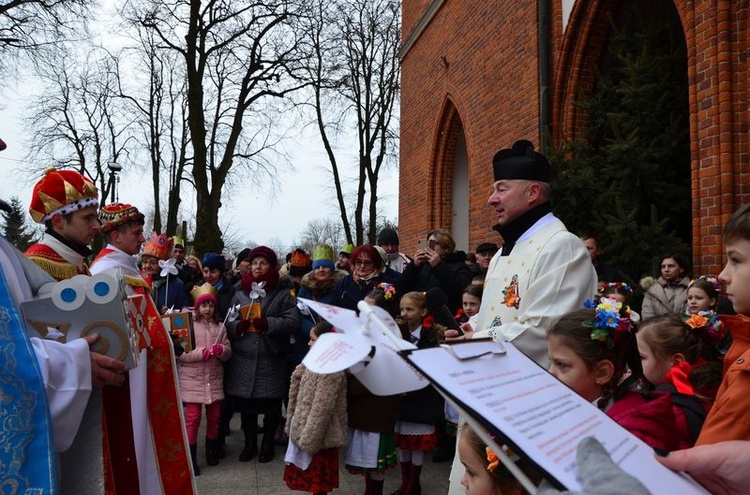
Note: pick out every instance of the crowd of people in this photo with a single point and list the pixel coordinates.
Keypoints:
(673, 375)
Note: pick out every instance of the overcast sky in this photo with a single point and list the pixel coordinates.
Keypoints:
(302, 195)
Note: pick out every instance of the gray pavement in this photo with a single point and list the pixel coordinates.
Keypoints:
(232, 476)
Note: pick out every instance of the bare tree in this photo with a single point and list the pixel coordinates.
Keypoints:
(354, 73)
(162, 120)
(319, 231)
(27, 25)
(235, 55)
(77, 119)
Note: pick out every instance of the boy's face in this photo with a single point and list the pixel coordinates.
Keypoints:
(736, 274)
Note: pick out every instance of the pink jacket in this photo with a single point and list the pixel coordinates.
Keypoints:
(202, 382)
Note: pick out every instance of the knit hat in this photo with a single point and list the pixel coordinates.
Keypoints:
(202, 293)
(347, 250)
(115, 214)
(63, 192)
(242, 256)
(388, 236)
(487, 247)
(265, 252)
(159, 247)
(521, 163)
(214, 261)
(322, 255)
(300, 263)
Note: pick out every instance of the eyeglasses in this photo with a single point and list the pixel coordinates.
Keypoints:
(363, 263)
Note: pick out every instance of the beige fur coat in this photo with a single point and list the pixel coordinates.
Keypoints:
(317, 406)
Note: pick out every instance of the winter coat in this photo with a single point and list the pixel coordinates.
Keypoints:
(258, 368)
(316, 291)
(224, 296)
(202, 382)
(728, 419)
(347, 293)
(175, 295)
(662, 298)
(317, 406)
(653, 418)
(452, 275)
(369, 412)
(426, 404)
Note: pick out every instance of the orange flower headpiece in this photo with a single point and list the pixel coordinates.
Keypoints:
(159, 246)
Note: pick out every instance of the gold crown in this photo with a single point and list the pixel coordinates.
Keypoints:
(201, 290)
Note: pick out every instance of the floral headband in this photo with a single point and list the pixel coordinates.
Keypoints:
(493, 462)
(389, 290)
(611, 321)
(708, 326)
(620, 285)
(706, 278)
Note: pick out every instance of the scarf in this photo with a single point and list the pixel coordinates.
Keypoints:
(514, 229)
(271, 278)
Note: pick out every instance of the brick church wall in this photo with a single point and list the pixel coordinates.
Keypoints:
(466, 65)
(474, 67)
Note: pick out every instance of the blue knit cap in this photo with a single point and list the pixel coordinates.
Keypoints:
(214, 261)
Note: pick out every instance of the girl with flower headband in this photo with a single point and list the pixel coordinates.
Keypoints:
(621, 292)
(703, 295)
(421, 410)
(484, 474)
(681, 357)
(594, 352)
(370, 448)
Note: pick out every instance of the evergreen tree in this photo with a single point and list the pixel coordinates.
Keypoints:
(630, 180)
(15, 229)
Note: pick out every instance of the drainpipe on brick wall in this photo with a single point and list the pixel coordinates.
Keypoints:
(545, 116)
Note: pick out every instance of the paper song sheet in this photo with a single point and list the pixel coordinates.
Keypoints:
(540, 417)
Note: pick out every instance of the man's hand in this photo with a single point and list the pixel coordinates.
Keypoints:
(105, 370)
(453, 335)
(721, 467)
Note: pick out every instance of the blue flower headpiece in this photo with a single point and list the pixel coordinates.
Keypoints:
(611, 321)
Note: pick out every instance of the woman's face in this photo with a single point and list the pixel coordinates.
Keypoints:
(259, 266)
(670, 270)
(363, 265)
(433, 244)
(322, 273)
(211, 275)
(149, 264)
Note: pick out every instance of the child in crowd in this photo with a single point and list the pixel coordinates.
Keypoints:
(682, 358)
(316, 426)
(591, 351)
(421, 409)
(620, 292)
(727, 419)
(703, 295)
(370, 448)
(201, 374)
(471, 302)
(484, 474)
